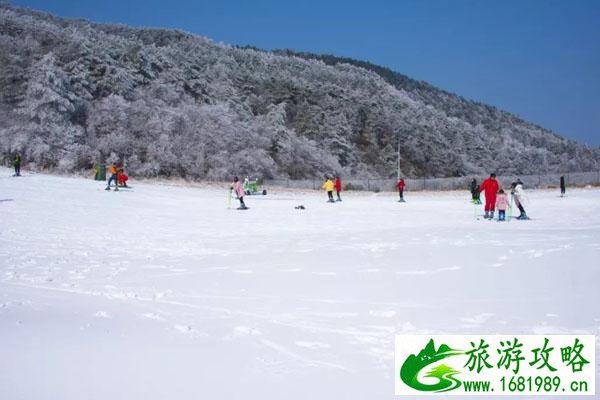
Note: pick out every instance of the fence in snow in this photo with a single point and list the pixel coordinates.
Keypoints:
(377, 185)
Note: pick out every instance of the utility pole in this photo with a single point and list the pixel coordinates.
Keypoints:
(398, 135)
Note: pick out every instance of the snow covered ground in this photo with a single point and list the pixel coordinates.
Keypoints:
(161, 292)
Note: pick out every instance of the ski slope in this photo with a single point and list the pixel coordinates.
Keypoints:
(161, 292)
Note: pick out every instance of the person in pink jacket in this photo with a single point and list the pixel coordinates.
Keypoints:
(502, 205)
(238, 189)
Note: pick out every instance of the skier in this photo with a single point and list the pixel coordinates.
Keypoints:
(99, 172)
(328, 186)
(338, 187)
(114, 172)
(490, 186)
(246, 186)
(238, 188)
(520, 198)
(122, 178)
(475, 192)
(17, 164)
(563, 187)
(502, 205)
(401, 185)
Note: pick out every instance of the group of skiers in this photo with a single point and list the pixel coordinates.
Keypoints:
(117, 175)
(330, 185)
(497, 199)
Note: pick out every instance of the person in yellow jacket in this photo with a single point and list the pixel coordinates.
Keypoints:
(328, 186)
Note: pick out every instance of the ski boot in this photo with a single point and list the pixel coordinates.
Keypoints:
(523, 216)
(487, 215)
(491, 215)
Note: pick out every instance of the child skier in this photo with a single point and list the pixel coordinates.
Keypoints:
(520, 198)
(338, 187)
(328, 186)
(401, 185)
(475, 192)
(17, 164)
(238, 188)
(122, 178)
(490, 187)
(563, 186)
(502, 205)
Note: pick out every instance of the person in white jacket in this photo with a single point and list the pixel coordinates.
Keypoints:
(520, 198)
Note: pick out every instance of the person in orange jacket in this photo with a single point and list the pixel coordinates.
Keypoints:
(490, 188)
(113, 170)
(338, 187)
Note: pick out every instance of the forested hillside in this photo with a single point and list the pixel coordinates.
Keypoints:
(165, 102)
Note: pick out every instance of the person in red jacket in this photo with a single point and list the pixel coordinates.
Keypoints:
(122, 178)
(400, 185)
(338, 187)
(489, 187)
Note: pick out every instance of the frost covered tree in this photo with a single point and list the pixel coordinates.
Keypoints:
(165, 102)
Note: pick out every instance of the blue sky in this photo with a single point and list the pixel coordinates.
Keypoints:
(539, 59)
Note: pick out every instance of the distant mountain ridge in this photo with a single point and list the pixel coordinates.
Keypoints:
(166, 102)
